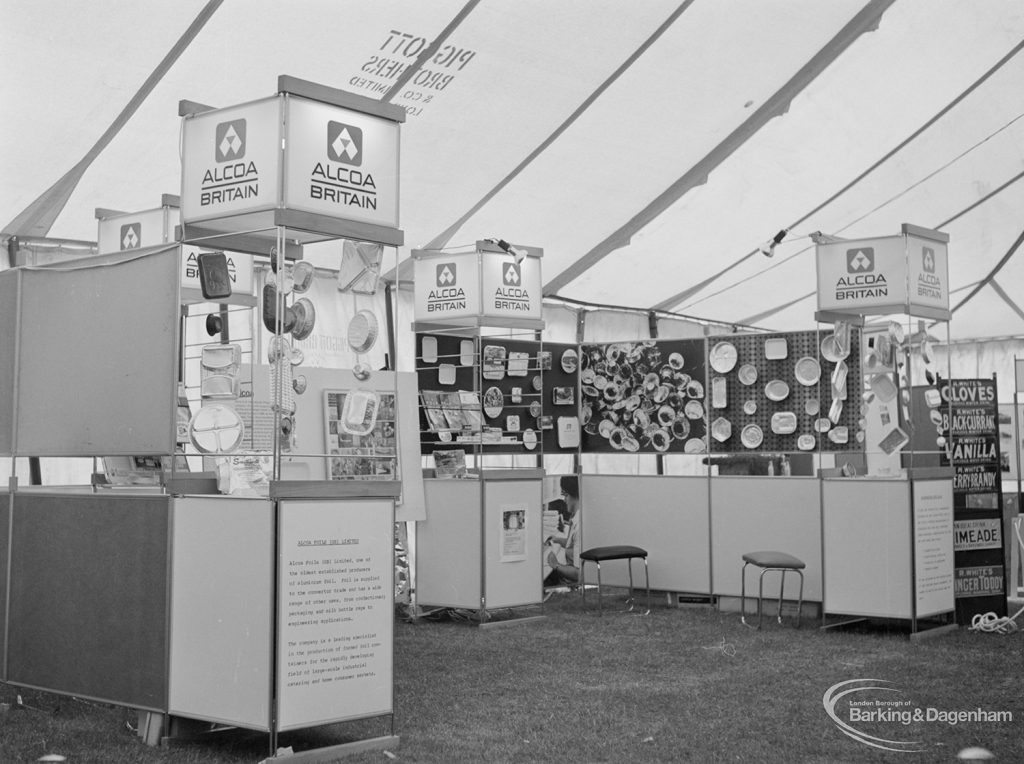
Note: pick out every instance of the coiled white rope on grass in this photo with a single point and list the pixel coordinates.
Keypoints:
(994, 624)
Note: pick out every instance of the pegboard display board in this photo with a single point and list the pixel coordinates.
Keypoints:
(754, 383)
(492, 394)
(560, 370)
(644, 397)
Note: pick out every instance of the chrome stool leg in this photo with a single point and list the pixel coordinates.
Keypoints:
(800, 601)
(782, 588)
(632, 599)
(743, 595)
(647, 581)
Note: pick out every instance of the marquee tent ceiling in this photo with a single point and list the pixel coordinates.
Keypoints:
(648, 147)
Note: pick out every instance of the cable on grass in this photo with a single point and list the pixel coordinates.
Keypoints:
(727, 648)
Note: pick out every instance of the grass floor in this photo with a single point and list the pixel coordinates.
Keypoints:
(679, 684)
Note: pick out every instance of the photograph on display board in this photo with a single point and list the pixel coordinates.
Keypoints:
(513, 533)
(361, 439)
(562, 518)
(646, 396)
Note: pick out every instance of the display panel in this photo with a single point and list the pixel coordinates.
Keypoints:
(647, 396)
(798, 391)
(361, 435)
(503, 395)
(97, 369)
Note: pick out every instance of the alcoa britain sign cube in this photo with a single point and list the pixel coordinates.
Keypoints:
(908, 273)
(311, 158)
(124, 231)
(489, 286)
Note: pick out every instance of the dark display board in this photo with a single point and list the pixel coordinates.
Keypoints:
(497, 394)
(644, 397)
(971, 426)
(776, 392)
(88, 595)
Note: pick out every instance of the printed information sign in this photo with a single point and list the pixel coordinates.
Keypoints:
(335, 611)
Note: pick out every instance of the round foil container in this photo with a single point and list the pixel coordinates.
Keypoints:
(362, 331)
(302, 276)
(305, 318)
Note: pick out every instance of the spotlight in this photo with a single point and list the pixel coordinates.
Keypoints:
(519, 254)
(768, 248)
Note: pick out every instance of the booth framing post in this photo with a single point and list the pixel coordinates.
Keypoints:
(1018, 374)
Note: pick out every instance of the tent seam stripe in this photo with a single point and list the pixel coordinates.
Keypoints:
(443, 238)
(49, 202)
(865, 20)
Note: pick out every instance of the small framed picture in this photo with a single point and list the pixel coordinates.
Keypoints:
(546, 422)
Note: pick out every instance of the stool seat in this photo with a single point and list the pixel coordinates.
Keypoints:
(770, 560)
(599, 554)
(774, 560)
(617, 552)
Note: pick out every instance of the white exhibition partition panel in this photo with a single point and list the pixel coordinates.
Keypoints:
(9, 290)
(868, 542)
(449, 562)
(221, 610)
(667, 516)
(934, 564)
(335, 611)
(513, 570)
(751, 514)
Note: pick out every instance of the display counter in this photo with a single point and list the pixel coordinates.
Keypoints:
(873, 547)
(202, 607)
(888, 545)
(468, 555)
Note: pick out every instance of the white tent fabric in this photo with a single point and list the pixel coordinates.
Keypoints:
(649, 148)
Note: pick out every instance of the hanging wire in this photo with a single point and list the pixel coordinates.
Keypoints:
(686, 294)
(890, 200)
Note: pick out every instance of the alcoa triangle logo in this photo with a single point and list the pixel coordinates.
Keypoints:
(446, 274)
(131, 236)
(230, 140)
(344, 143)
(513, 275)
(928, 260)
(860, 260)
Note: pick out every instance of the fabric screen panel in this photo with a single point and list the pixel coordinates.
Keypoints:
(9, 289)
(97, 374)
(88, 572)
(614, 326)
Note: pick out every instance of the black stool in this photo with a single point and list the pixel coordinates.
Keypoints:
(620, 552)
(767, 561)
